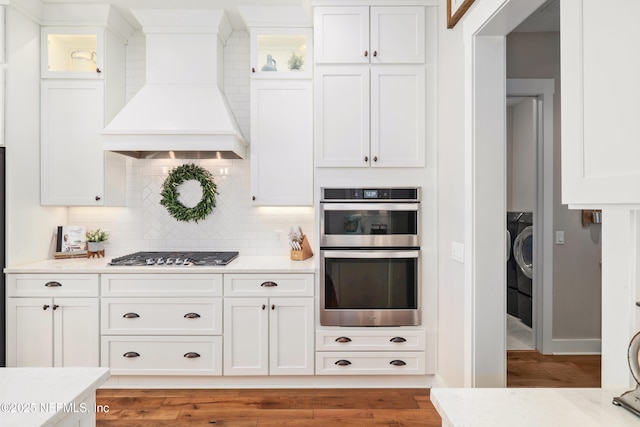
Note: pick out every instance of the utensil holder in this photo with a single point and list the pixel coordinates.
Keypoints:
(303, 254)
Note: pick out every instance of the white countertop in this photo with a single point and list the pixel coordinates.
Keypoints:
(44, 396)
(530, 407)
(242, 264)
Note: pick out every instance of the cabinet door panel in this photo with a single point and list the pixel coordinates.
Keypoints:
(282, 143)
(246, 337)
(398, 116)
(71, 148)
(342, 116)
(341, 35)
(291, 336)
(76, 332)
(29, 332)
(398, 35)
(600, 110)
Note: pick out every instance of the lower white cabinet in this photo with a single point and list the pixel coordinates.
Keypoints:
(45, 332)
(361, 351)
(268, 336)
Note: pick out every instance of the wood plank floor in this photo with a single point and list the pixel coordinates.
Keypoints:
(323, 407)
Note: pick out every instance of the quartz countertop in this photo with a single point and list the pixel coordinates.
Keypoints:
(242, 264)
(44, 396)
(530, 407)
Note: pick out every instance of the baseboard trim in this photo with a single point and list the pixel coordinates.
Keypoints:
(576, 346)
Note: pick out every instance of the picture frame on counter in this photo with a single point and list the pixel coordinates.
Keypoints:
(455, 10)
(71, 242)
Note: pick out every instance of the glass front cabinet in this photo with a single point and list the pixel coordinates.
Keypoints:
(72, 52)
(281, 53)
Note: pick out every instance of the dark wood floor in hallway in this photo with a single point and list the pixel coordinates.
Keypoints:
(323, 407)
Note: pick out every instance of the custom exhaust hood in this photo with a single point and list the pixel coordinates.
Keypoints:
(180, 112)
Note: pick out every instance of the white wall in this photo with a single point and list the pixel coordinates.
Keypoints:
(234, 224)
(521, 156)
(30, 227)
(576, 264)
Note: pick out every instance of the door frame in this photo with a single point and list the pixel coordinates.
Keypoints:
(484, 37)
(543, 90)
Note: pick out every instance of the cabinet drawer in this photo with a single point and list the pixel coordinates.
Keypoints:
(371, 340)
(263, 285)
(52, 285)
(143, 355)
(162, 316)
(370, 363)
(162, 285)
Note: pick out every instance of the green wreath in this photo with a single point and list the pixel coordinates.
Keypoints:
(170, 193)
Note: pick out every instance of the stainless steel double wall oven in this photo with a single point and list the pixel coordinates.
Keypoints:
(370, 257)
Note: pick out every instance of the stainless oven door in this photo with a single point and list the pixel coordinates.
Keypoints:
(369, 224)
(370, 287)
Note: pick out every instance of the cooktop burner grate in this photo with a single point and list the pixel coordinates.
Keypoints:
(170, 259)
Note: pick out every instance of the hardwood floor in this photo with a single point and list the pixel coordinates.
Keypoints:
(273, 407)
(323, 407)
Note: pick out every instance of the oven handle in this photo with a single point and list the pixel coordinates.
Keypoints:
(370, 206)
(370, 254)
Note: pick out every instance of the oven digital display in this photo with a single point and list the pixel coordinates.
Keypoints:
(370, 194)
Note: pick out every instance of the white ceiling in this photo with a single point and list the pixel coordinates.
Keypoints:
(231, 6)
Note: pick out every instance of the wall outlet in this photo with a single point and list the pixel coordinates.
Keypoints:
(559, 237)
(457, 251)
(279, 234)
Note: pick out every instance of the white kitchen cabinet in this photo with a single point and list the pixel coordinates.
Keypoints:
(370, 116)
(48, 332)
(282, 142)
(52, 320)
(268, 336)
(82, 88)
(363, 35)
(600, 106)
(278, 53)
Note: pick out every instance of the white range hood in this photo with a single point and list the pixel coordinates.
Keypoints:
(180, 112)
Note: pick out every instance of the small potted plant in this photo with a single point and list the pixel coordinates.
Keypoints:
(295, 62)
(96, 239)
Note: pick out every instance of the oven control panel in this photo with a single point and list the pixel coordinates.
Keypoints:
(365, 194)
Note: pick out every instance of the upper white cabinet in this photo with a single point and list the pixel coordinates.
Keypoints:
(281, 53)
(600, 108)
(72, 52)
(82, 88)
(376, 35)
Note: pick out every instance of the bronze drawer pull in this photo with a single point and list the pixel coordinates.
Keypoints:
(191, 316)
(398, 363)
(269, 284)
(191, 355)
(53, 284)
(130, 315)
(131, 354)
(343, 339)
(397, 339)
(343, 362)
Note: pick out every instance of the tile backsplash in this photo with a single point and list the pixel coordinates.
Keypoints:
(234, 224)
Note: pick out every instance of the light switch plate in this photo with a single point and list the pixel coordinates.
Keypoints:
(457, 251)
(559, 237)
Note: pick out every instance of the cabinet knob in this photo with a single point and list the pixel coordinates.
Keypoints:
(253, 198)
(264, 306)
(398, 363)
(55, 306)
(191, 355)
(253, 69)
(397, 339)
(343, 362)
(366, 158)
(366, 53)
(98, 198)
(375, 158)
(343, 339)
(191, 316)
(53, 284)
(273, 306)
(268, 284)
(131, 354)
(98, 70)
(44, 307)
(131, 315)
(375, 53)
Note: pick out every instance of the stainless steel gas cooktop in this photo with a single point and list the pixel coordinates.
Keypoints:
(170, 259)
